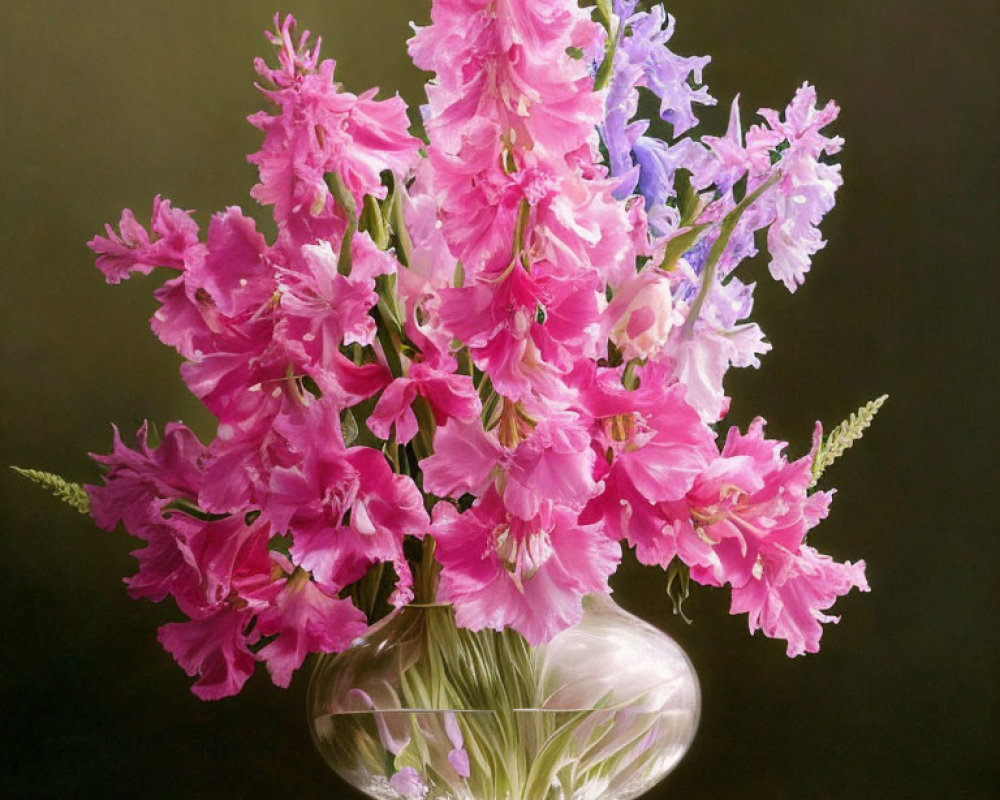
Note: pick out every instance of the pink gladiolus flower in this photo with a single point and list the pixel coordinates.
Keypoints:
(507, 62)
(753, 506)
(322, 309)
(653, 446)
(236, 272)
(524, 330)
(450, 396)
(215, 649)
(500, 571)
(149, 476)
(318, 130)
(174, 243)
(792, 591)
(554, 463)
(344, 507)
(306, 619)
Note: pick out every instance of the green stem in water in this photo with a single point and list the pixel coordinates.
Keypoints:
(425, 574)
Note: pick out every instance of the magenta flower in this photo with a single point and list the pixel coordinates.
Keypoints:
(500, 571)
(450, 396)
(214, 648)
(320, 129)
(174, 243)
(344, 507)
(306, 619)
(149, 476)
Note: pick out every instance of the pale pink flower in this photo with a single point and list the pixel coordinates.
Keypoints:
(702, 358)
(457, 757)
(408, 784)
(807, 187)
(641, 315)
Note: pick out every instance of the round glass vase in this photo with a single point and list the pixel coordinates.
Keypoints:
(422, 709)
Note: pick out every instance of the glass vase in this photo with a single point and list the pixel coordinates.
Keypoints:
(423, 709)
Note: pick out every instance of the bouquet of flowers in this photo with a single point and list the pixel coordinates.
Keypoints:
(485, 351)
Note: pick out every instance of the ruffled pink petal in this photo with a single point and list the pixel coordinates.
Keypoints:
(306, 620)
(215, 649)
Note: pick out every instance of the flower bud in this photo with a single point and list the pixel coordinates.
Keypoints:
(641, 315)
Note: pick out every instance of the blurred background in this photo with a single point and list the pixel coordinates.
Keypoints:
(105, 104)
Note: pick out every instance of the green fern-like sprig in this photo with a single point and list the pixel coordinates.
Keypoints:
(844, 435)
(70, 493)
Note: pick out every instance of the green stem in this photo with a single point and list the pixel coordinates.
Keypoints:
(523, 214)
(423, 442)
(606, 18)
(397, 223)
(719, 247)
(373, 223)
(344, 198)
(425, 574)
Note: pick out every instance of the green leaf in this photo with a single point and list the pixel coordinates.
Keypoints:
(679, 586)
(688, 200)
(349, 427)
(342, 195)
(373, 222)
(604, 12)
(679, 245)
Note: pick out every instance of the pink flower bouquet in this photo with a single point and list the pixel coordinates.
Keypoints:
(484, 352)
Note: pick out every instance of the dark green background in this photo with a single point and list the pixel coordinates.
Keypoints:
(104, 104)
